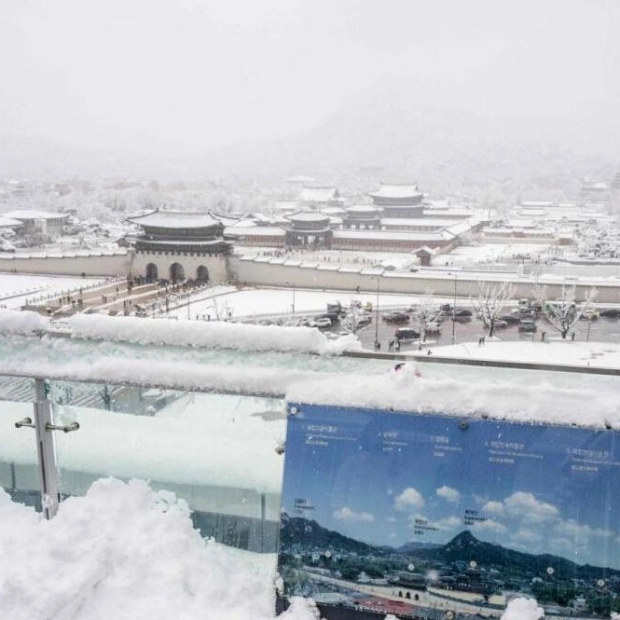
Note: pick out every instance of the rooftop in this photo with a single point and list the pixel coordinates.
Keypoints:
(307, 216)
(175, 219)
(396, 190)
(34, 214)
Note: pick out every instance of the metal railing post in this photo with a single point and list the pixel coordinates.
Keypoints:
(48, 474)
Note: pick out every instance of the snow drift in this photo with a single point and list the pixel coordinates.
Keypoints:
(126, 552)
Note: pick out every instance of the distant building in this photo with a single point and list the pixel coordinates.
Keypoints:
(317, 196)
(309, 229)
(399, 200)
(179, 245)
(362, 217)
(39, 223)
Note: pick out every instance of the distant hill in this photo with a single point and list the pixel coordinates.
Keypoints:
(304, 531)
(464, 547)
(381, 134)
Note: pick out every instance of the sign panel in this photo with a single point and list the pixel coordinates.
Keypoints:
(428, 516)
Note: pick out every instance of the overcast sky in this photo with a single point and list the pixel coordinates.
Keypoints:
(186, 75)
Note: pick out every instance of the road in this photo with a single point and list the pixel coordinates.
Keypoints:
(601, 330)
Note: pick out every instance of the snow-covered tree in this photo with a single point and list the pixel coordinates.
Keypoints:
(426, 314)
(564, 312)
(491, 301)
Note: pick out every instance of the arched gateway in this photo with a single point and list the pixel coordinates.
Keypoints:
(202, 274)
(152, 273)
(177, 273)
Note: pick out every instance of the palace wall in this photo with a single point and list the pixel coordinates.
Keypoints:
(264, 272)
(91, 263)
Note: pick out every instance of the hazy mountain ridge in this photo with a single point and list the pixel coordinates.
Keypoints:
(463, 547)
(446, 150)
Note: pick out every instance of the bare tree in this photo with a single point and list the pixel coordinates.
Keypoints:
(426, 314)
(564, 312)
(491, 301)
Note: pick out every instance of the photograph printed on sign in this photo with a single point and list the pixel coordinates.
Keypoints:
(421, 515)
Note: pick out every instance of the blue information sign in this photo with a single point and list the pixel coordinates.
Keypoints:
(425, 515)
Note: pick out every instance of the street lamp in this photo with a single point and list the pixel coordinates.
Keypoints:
(377, 343)
(454, 312)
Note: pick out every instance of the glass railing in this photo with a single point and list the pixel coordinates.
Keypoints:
(219, 453)
(19, 474)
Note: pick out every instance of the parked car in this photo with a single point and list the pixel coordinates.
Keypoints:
(406, 334)
(611, 313)
(590, 315)
(527, 325)
(323, 322)
(510, 319)
(396, 317)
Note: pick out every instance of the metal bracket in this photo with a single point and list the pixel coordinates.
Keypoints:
(67, 428)
(24, 422)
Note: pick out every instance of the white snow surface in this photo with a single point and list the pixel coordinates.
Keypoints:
(212, 334)
(12, 322)
(507, 394)
(523, 608)
(126, 552)
(16, 288)
(554, 351)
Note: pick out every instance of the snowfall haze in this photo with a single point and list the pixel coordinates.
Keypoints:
(202, 86)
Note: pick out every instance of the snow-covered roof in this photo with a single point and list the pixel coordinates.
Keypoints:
(307, 216)
(414, 222)
(254, 231)
(364, 208)
(396, 190)
(227, 220)
(318, 194)
(383, 235)
(7, 222)
(175, 219)
(333, 211)
(34, 214)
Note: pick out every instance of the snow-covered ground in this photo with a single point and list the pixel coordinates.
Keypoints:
(228, 302)
(492, 253)
(553, 352)
(15, 289)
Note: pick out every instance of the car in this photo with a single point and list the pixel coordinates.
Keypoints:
(406, 334)
(323, 322)
(527, 325)
(510, 319)
(396, 317)
(611, 313)
(590, 315)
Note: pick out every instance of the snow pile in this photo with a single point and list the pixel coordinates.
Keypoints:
(523, 609)
(212, 334)
(528, 397)
(16, 322)
(126, 552)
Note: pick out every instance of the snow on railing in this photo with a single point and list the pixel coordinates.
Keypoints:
(14, 322)
(213, 334)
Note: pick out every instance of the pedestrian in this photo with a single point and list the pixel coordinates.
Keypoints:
(572, 336)
(542, 336)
